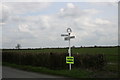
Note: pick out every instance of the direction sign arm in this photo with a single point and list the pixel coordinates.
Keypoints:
(64, 34)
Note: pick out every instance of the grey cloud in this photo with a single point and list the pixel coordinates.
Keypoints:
(45, 30)
(5, 13)
(13, 10)
(26, 7)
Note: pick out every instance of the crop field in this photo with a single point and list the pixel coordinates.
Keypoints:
(110, 51)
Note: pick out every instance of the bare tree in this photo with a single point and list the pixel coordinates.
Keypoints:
(18, 46)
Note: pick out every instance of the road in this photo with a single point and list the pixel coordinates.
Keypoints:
(8, 72)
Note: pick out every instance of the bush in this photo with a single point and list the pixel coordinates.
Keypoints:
(94, 61)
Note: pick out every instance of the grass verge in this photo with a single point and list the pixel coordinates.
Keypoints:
(74, 73)
(110, 71)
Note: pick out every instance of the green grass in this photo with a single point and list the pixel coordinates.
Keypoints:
(110, 71)
(110, 51)
(74, 73)
(112, 58)
(112, 67)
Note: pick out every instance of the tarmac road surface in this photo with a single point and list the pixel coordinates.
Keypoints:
(8, 72)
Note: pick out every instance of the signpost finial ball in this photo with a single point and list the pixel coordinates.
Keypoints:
(69, 30)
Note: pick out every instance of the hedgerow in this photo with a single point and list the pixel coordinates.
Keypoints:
(55, 60)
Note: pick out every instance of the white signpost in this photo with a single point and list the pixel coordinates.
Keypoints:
(68, 37)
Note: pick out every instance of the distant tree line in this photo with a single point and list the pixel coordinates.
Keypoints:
(18, 47)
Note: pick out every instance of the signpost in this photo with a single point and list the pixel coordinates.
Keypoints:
(69, 59)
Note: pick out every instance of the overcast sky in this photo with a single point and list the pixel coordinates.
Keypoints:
(41, 24)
